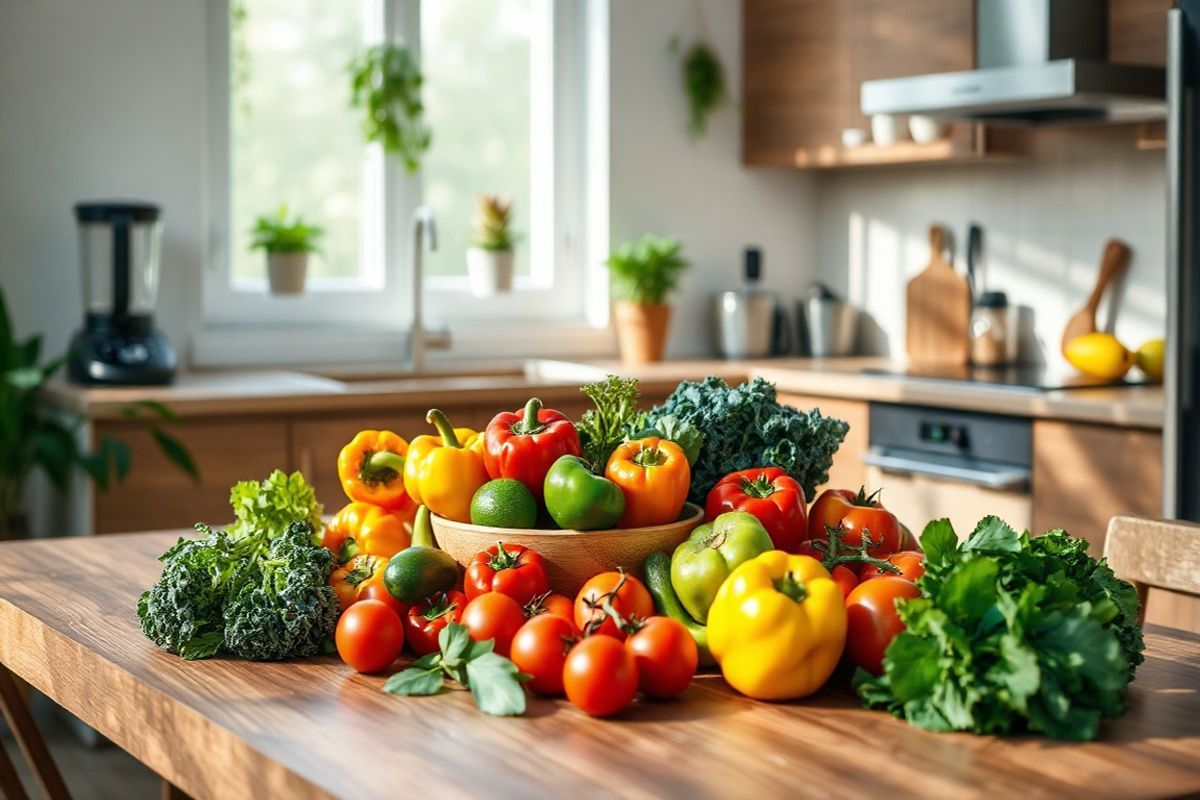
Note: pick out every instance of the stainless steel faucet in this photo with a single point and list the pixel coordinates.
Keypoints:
(423, 225)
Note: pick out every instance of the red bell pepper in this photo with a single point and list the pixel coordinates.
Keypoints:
(524, 444)
(426, 619)
(768, 493)
(514, 570)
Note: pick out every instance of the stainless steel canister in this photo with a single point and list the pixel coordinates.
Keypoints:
(832, 326)
(744, 322)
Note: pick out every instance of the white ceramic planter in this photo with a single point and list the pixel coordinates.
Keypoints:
(489, 272)
(286, 272)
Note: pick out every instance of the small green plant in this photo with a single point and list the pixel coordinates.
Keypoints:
(385, 82)
(647, 270)
(492, 217)
(276, 234)
(704, 81)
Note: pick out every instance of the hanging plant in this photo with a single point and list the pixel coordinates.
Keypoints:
(386, 84)
(704, 81)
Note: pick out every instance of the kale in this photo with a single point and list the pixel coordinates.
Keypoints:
(746, 427)
(1011, 633)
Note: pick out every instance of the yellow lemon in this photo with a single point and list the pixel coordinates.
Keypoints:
(1099, 355)
(1150, 358)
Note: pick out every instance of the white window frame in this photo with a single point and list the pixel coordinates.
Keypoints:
(566, 269)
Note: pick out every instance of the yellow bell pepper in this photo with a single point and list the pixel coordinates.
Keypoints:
(443, 471)
(777, 626)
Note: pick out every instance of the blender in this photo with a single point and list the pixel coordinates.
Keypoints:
(120, 244)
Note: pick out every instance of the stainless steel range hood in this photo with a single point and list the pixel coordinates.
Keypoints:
(1040, 61)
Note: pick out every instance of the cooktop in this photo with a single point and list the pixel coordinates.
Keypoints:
(1022, 377)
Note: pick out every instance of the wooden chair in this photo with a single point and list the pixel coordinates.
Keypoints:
(1159, 553)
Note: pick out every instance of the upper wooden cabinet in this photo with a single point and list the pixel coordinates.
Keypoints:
(1137, 31)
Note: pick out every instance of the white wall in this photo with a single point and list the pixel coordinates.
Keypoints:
(1045, 222)
(663, 182)
(98, 100)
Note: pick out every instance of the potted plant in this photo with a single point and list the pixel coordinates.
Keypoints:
(32, 437)
(490, 256)
(385, 83)
(288, 244)
(643, 273)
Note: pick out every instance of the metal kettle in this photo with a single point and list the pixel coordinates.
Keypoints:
(748, 322)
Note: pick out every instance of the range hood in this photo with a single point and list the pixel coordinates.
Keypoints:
(1039, 61)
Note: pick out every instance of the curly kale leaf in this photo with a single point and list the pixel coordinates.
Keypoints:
(746, 427)
(181, 612)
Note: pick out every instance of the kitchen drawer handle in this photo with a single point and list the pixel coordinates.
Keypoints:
(1004, 479)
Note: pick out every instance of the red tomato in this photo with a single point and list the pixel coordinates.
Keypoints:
(540, 650)
(854, 514)
(910, 563)
(375, 590)
(907, 540)
(369, 636)
(771, 495)
(666, 657)
(872, 621)
(494, 616)
(627, 595)
(600, 676)
(512, 569)
(844, 577)
(550, 603)
(426, 619)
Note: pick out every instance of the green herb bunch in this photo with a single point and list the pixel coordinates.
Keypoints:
(492, 218)
(278, 234)
(704, 82)
(647, 270)
(385, 82)
(1012, 633)
(604, 427)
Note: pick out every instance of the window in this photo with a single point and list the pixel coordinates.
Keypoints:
(503, 81)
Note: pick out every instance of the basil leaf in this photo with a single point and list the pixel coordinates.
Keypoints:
(428, 661)
(476, 649)
(454, 641)
(993, 535)
(415, 682)
(494, 683)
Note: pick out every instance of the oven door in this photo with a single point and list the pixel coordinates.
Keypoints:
(919, 487)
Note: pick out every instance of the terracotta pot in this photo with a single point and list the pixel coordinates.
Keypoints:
(286, 272)
(641, 330)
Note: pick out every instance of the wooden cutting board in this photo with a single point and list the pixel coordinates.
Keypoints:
(939, 309)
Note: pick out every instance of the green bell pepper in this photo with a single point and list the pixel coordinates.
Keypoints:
(579, 500)
(704, 560)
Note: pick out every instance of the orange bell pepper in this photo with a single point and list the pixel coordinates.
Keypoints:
(443, 471)
(352, 577)
(654, 475)
(364, 529)
(371, 469)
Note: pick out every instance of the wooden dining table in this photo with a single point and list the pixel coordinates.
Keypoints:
(226, 728)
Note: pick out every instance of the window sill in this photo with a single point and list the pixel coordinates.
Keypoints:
(258, 346)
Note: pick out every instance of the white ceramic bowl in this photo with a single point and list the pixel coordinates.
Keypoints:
(854, 137)
(927, 129)
(888, 129)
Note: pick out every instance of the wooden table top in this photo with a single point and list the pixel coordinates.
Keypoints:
(224, 728)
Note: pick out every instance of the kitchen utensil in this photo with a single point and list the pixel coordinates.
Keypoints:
(572, 557)
(925, 129)
(974, 251)
(887, 129)
(1113, 264)
(119, 256)
(746, 320)
(993, 331)
(832, 326)
(939, 309)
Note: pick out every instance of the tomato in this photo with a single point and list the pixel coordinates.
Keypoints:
(600, 676)
(872, 621)
(426, 619)
(540, 650)
(369, 636)
(666, 657)
(854, 514)
(375, 590)
(627, 595)
(350, 578)
(495, 616)
(550, 603)
(907, 540)
(910, 563)
(845, 578)
(513, 569)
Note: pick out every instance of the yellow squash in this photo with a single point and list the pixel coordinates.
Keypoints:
(777, 626)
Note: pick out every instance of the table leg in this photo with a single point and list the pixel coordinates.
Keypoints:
(10, 782)
(30, 739)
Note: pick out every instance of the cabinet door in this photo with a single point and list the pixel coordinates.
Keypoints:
(848, 470)
(157, 495)
(1137, 31)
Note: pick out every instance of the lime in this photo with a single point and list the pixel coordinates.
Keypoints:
(504, 503)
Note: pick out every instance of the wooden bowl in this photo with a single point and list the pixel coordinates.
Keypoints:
(572, 557)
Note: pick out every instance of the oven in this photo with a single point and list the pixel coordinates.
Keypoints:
(936, 462)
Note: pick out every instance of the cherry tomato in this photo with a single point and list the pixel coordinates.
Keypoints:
(426, 619)
(375, 590)
(540, 650)
(910, 563)
(600, 676)
(496, 616)
(511, 569)
(369, 636)
(666, 657)
(550, 603)
(855, 513)
(844, 577)
(629, 598)
(872, 621)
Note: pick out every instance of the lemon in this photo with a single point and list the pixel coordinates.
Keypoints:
(1150, 358)
(1099, 355)
(504, 503)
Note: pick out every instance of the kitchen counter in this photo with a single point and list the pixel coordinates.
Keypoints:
(280, 391)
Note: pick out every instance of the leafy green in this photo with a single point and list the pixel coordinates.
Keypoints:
(704, 80)
(646, 270)
(278, 234)
(689, 438)
(746, 427)
(494, 681)
(274, 504)
(1012, 633)
(603, 428)
(385, 83)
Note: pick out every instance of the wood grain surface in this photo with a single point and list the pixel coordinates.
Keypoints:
(939, 309)
(224, 728)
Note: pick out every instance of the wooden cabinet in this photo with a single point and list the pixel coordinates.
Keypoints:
(848, 470)
(1137, 31)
